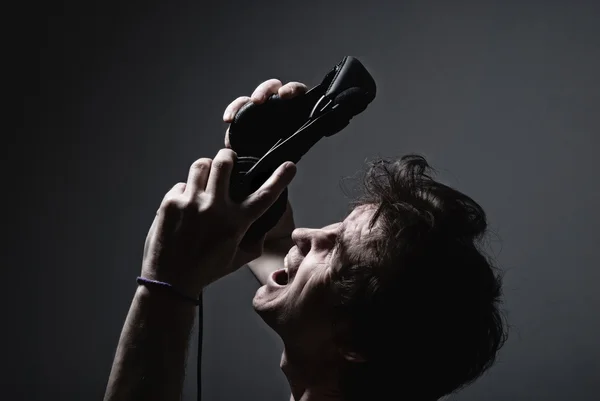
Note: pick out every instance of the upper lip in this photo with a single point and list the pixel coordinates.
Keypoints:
(291, 270)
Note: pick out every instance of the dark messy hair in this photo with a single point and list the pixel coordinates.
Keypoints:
(422, 302)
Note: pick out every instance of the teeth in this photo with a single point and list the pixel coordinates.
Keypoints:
(287, 276)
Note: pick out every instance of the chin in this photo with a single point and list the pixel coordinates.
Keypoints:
(269, 307)
(263, 302)
(258, 301)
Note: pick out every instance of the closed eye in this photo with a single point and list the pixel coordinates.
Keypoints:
(337, 247)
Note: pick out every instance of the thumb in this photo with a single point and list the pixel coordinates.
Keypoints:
(263, 198)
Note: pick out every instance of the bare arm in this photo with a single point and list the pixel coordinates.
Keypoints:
(150, 360)
(271, 259)
(278, 242)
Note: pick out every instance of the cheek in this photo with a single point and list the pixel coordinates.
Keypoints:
(315, 295)
(311, 283)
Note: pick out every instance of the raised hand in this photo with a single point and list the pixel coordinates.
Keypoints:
(278, 238)
(197, 229)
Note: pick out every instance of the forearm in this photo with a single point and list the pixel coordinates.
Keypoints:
(271, 259)
(150, 359)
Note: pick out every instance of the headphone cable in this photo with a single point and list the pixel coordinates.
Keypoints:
(199, 362)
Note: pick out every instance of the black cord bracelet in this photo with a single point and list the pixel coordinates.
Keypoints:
(145, 281)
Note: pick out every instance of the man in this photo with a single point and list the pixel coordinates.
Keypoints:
(395, 302)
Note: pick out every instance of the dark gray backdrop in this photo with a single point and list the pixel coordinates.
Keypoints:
(501, 96)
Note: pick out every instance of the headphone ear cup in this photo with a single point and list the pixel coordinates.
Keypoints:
(349, 103)
(257, 127)
(354, 100)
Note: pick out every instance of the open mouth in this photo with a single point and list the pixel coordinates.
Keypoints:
(280, 277)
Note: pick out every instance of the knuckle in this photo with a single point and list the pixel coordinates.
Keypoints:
(272, 81)
(201, 164)
(229, 153)
(189, 204)
(225, 159)
(171, 204)
(176, 189)
(220, 164)
(292, 89)
(300, 87)
(270, 86)
(264, 194)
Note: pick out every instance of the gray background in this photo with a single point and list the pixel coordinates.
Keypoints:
(118, 101)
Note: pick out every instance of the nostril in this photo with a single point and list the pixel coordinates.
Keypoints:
(303, 247)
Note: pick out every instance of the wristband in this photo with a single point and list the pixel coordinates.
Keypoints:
(145, 281)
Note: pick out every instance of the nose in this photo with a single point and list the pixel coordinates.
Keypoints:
(318, 238)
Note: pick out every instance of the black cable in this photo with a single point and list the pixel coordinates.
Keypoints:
(199, 362)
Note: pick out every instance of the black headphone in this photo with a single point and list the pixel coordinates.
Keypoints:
(266, 135)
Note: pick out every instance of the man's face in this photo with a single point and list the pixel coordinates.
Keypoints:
(299, 305)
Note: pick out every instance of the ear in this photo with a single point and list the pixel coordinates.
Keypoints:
(352, 356)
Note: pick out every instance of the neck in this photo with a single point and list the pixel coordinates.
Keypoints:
(311, 376)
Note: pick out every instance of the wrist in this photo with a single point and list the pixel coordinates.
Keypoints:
(185, 286)
(163, 298)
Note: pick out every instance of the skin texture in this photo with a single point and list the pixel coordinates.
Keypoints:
(192, 242)
(278, 240)
(300, 312)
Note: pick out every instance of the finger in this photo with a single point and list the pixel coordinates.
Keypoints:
(234, 107)
(167, 213)
(266, 89)
(176, 190)
(173, 193)
(198, 176)
(292, 89)
(227, 143)
(264, 197)
(220, 174)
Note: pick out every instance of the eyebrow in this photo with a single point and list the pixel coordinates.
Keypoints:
(340, 246)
